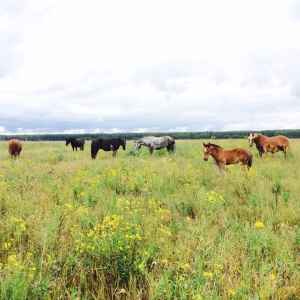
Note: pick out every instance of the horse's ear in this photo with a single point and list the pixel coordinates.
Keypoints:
(204, 144)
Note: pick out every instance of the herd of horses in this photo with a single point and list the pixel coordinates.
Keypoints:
(221, 156)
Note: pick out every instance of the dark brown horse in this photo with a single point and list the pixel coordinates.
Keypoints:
(14, 148)
(75, 143)
(112, 144)
(273, 144)
(227, 157)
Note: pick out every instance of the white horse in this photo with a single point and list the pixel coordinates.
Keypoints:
(156, 143)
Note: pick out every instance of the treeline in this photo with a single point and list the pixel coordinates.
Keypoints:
(205, 135)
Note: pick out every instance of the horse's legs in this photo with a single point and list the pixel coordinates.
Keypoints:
(113, 150)
(266, 150)
(222, 170)
(288, 151)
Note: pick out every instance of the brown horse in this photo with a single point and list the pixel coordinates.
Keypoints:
(75, 143)
(266, 144)
(14, 148)
(227, 157)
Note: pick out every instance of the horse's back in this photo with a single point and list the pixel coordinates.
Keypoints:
(163, 141)
(278, 140)
(234, 155)
(243, 151)
(283, 140)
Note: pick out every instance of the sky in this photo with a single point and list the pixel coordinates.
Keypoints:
(106, 66)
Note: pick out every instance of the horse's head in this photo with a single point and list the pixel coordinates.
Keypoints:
(68, 141)
(124, 145)
(137, 145)
(206, 151)
(251, 138)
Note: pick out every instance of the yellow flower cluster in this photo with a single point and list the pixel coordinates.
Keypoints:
(20, 222)
(208, 274)
(121, 230)
(213, 197)
(185, 266)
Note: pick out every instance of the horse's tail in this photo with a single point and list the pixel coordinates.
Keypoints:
(92, 150)
(249, 163)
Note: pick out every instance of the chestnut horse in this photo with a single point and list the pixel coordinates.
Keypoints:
(14, 148)
(227, 157)
(266, 144)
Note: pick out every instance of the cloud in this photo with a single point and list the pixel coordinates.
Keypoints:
(294, 11)
(138, 66)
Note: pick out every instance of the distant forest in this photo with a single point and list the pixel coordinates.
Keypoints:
(205, 135)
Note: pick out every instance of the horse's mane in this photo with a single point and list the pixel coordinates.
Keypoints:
(215, 146)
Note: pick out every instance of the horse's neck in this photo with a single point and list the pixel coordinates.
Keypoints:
(143, 143)
(215, 151)
(261, 138)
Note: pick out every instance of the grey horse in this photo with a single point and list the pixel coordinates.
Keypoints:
(156, 143)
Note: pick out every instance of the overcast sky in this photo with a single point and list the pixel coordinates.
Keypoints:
(88, 66)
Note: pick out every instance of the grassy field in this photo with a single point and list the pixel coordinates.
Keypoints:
(148, 227)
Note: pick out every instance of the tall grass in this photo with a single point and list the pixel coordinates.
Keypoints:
(147, 227)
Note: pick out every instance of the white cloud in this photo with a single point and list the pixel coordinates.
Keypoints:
(119, 66)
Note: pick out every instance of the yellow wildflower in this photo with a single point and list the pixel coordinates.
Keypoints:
(208, 274)
(272, 277)
(259, 224)
(185, 266)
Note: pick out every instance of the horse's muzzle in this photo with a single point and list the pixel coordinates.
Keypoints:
(206, 159)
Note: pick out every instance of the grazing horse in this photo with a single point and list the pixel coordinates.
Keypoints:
(156, 143)
(227, 157)
(75, 143)
(273, 144)
(14, 148)
(112, 144)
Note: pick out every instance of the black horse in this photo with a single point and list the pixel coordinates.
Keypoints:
(112, 144)
(75, 143)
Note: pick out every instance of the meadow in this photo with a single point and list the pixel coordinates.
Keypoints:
(142, 227)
